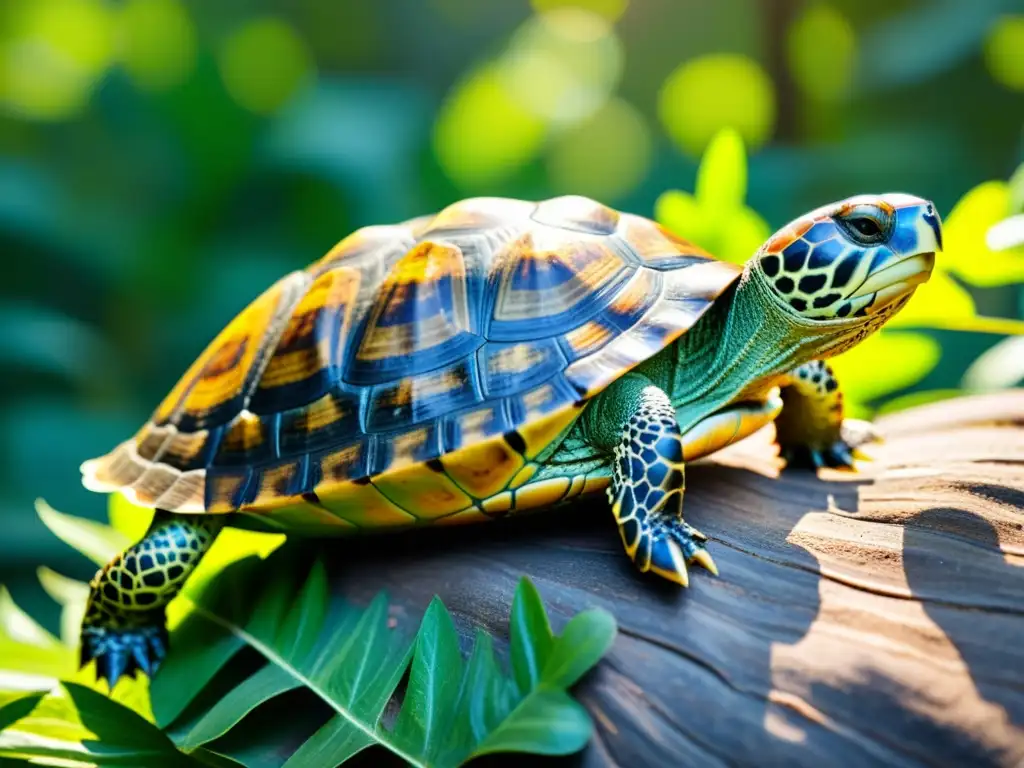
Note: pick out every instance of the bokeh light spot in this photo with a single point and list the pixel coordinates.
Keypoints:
(604, 157)
(263, 64)
(482, 134)
(707, 94)
(563, 65)
(158, 43)
(822, 53)
(1004, 52)
(609, 9)
(53, 54)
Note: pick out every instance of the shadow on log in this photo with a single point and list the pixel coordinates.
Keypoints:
(864, 619)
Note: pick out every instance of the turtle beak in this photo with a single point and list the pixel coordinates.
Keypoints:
(916, 238)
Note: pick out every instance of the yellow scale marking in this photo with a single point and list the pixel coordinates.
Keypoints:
(483, 470)
(542, 493)
(364, 506)
(426, 493)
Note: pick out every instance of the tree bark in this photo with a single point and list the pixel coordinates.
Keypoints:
(860, 619)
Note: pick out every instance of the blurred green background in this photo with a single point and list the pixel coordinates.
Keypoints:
(165, 160)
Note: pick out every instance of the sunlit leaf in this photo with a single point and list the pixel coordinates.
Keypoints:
(353, 662)
(722, 177)
(98, 542)
(28, 649)
(71, 594)
(966, 253)
(131, 520)
(75, 723)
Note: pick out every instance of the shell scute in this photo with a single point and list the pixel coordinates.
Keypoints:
(420, 319)
(417, 370)
(306, 358)
(579, 214)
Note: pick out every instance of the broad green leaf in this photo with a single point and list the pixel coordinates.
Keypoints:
(269, 682)
(14, 711)
(548, 722)
(744, 235)
(76, 723)
(429, 712)
(71, 594)
(98, 542)
(586, 638)
(352, 661)
(531, 639)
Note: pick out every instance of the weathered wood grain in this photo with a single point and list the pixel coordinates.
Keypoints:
(869, 619)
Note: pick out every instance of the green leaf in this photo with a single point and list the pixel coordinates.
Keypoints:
(531, 640)
(131, 520)
(19, 708)
(966, 253)
(586, 638)
(722, 178)
(26, 649)
(98, 542)
(548, 722)
(75, 723)
(71, 594)
(353, 662)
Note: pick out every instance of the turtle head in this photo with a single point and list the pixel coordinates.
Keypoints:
(859, 258)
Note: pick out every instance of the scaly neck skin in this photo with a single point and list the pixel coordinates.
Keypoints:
(739, 349)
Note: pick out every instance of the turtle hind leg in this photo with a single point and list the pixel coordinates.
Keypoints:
(646, 492)
(124, 628)
(810, 429)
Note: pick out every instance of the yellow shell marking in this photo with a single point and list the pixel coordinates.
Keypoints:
(542, 493)
(425, 492)
(364, 506)
(523, 476)
(497, 504)
(538, 433)
(485, 469)
(414, 277)
(331, 291)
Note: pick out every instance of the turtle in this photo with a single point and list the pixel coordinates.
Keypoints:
(499, 357)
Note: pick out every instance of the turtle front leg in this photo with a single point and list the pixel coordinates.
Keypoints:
(810, 429)
(124, 627)
(648, 480)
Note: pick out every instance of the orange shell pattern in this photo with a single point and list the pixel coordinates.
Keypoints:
(416, 371)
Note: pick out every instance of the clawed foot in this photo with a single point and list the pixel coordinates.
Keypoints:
(120, 652)
(839, 455)
(666, 547)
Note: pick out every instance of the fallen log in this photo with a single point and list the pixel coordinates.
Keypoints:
(860, 619)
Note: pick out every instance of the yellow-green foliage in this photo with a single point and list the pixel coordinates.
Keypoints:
(717, 218)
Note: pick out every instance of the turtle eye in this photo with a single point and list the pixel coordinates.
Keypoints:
(863, 227)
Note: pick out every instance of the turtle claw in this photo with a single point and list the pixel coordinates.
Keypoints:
(124, 652)
(703, 558)
(839, 455)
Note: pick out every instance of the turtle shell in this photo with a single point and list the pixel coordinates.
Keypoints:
(461, 344)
